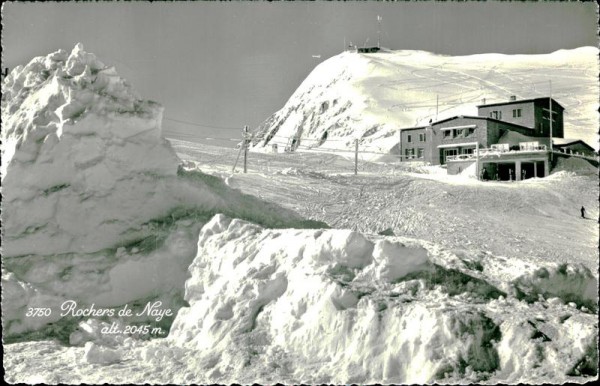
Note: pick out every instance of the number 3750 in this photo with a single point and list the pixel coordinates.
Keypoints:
(38, 312)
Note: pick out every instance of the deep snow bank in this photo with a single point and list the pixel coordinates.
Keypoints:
(575, 165)
(95, 206)
(83, 156)
(335, 306)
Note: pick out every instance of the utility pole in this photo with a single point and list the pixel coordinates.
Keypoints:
(551, 119)
(400, 145)
(246, 141)
(356, 156)
(477, 159)
(378, 31)
(244, 148)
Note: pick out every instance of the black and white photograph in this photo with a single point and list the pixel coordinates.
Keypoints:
(300, 192)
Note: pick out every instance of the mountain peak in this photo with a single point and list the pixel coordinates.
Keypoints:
(371, 96)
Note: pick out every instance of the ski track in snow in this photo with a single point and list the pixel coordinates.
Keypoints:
(536, 220)
(505, 227)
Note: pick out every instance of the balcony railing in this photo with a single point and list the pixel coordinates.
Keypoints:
(497, 151)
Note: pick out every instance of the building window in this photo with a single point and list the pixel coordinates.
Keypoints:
(450, 153)
(420, 152)
(409, 138)
(469, 150)
(496, 114)
(517, 113)
(459, 132)
(447, 133)
(409, 153)
(422, 137)
(470, 131)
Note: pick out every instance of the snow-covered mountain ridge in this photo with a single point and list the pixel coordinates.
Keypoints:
(371, 96)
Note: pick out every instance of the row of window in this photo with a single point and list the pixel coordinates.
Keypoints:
(497, 114)
(454, 152)
(458, 133)
(422, 138)
(410, 153)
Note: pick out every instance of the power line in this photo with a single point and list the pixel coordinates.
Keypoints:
(201, 125)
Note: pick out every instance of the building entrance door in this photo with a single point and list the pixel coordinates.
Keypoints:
(527, 170)
(506, 171)
(540, 168)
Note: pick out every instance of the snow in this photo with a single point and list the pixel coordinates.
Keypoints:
(95, 354)
(575, 165)
(483, 282)
(371, 96)
(96, 206)
(336, 306)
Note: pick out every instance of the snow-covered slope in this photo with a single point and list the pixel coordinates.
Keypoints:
(336, 306)
(371, 96)
(496, 284)
(95, 205)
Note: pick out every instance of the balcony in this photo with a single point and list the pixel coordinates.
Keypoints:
(499, 150)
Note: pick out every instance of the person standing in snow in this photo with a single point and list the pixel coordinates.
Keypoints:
(484, 174)
(582, 212)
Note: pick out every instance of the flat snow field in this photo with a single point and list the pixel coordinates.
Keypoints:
(536, 220)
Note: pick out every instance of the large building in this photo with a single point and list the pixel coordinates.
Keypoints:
(531, 113)
(509, 140)
(454, 136)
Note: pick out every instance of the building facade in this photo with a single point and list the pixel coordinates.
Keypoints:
(510, 140)
(531, 113)
(452, 137)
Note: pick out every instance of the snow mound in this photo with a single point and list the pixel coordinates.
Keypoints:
(96, 207)
(322, 304)
(95, 354)
(575, 165)
(339, 307)
(336, 306)
(570, 283)
(76, 137)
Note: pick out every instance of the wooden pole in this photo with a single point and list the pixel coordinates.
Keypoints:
(245, 149)
(477, 158)
(378, 31)
(400, 145)
(551, 118)
(238, 156)
(355, 156)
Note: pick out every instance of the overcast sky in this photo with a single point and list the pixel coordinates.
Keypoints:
(231, 64)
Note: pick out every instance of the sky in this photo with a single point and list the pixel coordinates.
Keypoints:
(216, 67)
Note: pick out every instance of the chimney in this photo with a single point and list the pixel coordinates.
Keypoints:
(483, 101)
(513, 98)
